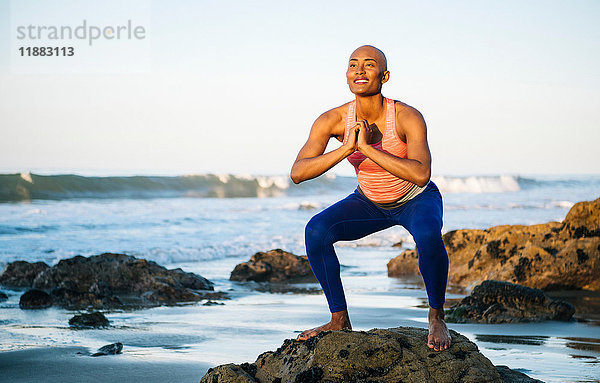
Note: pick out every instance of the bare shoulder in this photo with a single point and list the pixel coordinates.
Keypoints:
(407, 114)
(409, 122)
(333, 120)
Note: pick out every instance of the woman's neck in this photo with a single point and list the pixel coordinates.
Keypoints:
(370, 108)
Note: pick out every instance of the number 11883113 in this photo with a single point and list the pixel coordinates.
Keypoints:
(47, 51)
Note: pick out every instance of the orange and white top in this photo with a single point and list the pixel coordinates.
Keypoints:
(376, 183)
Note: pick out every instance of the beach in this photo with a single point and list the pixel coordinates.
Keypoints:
(212, 231)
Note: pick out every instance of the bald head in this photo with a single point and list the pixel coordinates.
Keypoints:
(375, 53)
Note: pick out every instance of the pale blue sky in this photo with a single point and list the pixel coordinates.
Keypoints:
(233, 87)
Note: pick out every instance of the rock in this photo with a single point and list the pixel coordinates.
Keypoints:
(274, 266)
(3, 296)
(230, 373)
(35, 299)
(21, 273)
(89, 320)
(212, 303)
(379, 355)
(583, 220)
(504, 302)
(512, 376)
(550, 256)
(117, 280)
(110, 349)
(286, 288)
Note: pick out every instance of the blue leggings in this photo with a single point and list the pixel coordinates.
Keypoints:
(355, 217)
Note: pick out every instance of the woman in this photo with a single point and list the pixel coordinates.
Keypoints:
(386, 142)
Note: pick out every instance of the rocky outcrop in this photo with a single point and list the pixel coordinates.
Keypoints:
(504, 302)
(116, 280)
(3, 296)
(35, 299)
(89, 320)
(21, 273)
(551, 256)
(274, 266)
(391, 355)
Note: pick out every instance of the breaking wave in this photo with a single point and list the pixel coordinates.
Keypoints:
(28, 186)
(489, 184)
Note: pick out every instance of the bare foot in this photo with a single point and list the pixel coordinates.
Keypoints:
(439, 337)
(339, 321)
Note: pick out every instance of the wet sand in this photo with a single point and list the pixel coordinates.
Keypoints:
(74, 364)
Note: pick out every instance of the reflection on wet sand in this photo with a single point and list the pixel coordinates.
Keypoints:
(585, 344)
(591, 346)
(512, 339)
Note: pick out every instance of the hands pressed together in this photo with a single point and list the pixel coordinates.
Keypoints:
(359, 136)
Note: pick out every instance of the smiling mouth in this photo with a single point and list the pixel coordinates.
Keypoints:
(361, 81)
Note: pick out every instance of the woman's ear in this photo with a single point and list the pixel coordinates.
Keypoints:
(385, 77)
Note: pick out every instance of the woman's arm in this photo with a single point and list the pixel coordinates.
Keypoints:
(311, 162)
(416, 168)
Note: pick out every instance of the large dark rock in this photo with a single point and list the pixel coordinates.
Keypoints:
(21, 273)
(116, 280)
(551, 256)
(3, 296)
(392, 355)
(89, 320)
(35, 299)
(274, 266)
(504, 302)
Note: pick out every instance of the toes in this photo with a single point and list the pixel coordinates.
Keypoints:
(442, 344)
(448, 344)
(306, 335)
(430, 342)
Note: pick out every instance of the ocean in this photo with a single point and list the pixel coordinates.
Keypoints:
(208, 223)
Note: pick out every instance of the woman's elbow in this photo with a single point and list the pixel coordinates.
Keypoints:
(295, 176)
(423, 178)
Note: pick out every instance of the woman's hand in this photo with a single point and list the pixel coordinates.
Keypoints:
(364, 134)
(351, 141)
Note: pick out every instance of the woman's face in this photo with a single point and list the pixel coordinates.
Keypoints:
(366, 71)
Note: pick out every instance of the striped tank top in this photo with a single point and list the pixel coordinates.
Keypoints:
(376, 183)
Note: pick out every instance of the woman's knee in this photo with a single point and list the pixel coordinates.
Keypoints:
(315, 233)
(428, 236)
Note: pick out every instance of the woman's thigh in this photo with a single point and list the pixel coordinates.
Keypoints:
(349, 219)
(423, 212)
